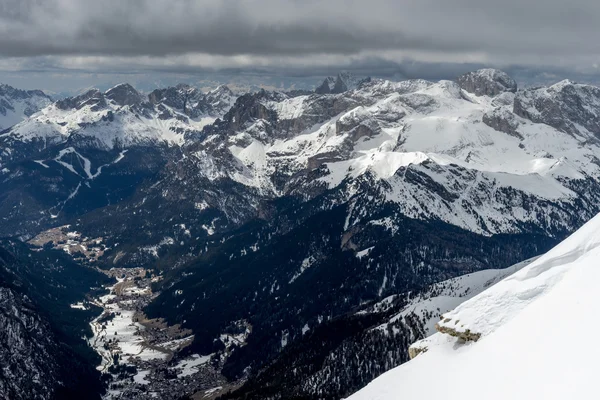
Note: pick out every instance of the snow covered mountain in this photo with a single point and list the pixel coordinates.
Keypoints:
(514, 328)
(334, 201)
(87, 151)
(323, 219)
(120, 117)
(478, 156)
(16, 105)
(496, 163)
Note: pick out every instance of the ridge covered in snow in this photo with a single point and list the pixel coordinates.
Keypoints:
(16, 105)
(121, 116)
(526, 326)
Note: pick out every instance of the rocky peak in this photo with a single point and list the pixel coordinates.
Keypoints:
(343, 82)
(171, 96)
(251, 107)
(181, 97)
(221, 90)
(327, 86)
(218, 101)
(487, 82)
(93, 97)
(124, 94)
(16, 104)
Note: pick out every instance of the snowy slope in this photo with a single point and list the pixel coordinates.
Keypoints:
(444, 296)
(528, 323)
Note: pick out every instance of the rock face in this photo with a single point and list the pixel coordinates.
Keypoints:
(487, 82)
(218, 101)
(28, 367)
(327, 86)
(41, 346)
(414, 351)
(124, 95)
(566, 106)
(194, 103)
(465, 335)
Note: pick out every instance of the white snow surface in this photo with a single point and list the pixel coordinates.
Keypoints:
(529, 323)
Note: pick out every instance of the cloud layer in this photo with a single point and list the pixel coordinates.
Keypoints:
(507, 29)
(402, 38)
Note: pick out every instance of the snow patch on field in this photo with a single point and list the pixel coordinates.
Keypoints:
(141, 376)
(212, 391)
(190, 365)
(365, 252)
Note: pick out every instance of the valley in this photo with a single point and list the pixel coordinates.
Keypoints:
(141, 355)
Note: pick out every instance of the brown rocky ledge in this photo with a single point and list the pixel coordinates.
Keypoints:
(465, 335)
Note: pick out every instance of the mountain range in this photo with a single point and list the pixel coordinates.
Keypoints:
(334, 225)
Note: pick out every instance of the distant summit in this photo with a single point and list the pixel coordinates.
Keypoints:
(16, 105)
(124, 94)
(193, 102)
(487, 82)
(343, 82)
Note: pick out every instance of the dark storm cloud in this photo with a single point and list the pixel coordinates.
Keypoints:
(160, 27)
(299, 39)
(291, 27)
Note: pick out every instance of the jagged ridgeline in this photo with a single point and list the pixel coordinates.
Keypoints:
(289, 214)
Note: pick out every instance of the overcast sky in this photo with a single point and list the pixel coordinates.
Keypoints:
(78, 41)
